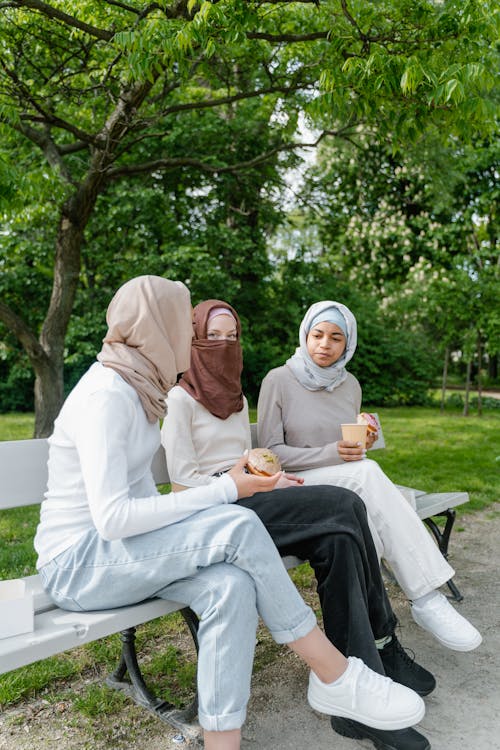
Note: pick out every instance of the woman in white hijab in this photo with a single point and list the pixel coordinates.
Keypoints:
(300, 411)
(107, 539)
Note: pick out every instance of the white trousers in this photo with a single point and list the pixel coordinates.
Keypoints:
(400, 536)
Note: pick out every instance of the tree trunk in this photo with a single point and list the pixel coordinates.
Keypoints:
(49, 395)
(493, 367)
(49, 382)
(47, 354)
(445, 376)
(479, 381)
(467, 388)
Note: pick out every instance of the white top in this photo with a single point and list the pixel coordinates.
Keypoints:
(303, 427)
(198, 444)
(100, 476)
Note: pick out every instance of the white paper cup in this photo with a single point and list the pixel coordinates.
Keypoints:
(355, 433)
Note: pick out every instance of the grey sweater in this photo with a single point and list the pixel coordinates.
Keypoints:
(302, 427)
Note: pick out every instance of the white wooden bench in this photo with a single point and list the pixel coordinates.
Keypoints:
(23, 479)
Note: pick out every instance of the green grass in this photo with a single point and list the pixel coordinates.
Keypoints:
(442, 452)
(425, 449)
(16, 426)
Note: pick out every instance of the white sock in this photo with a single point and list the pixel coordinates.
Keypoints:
(381, 642)
(340, 679)
(423, 600)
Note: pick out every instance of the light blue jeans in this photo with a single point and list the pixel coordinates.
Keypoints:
(223, 564)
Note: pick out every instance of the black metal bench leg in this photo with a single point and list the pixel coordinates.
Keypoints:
(443, 538)
(137, 689)
(193, 623)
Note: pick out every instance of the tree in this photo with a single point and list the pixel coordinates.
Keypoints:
(418, 228)
(93, 94)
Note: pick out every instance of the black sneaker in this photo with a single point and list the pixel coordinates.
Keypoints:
(401, 667)
(395, 739)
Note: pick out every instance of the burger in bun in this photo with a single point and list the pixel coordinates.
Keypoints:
(263, 462)
(369, 420)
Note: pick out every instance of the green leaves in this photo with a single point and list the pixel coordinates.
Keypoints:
(187, 113)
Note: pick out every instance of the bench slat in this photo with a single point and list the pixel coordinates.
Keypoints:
(159, 467)
(436, 502)
(58, 630)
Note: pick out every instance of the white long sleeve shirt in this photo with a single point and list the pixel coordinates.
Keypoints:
(198, 444)
(99, 466)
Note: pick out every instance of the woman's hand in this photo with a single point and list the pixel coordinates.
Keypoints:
(350, 451)
(289, 480)
(249, 484)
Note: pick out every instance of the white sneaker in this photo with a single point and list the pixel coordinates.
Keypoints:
(447, 626)
(367, 697)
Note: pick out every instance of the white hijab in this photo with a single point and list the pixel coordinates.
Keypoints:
(308, 373)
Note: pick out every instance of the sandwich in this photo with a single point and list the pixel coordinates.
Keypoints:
(263, 462)
(369, 420)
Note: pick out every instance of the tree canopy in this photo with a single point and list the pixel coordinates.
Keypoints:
(150, 136)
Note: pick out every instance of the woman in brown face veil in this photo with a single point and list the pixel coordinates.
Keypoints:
(206, 430)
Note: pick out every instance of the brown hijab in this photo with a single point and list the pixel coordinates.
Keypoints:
(149, 338)
(214, 378)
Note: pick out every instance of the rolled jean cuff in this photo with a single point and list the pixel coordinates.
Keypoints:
(298, 631)
(223, 723)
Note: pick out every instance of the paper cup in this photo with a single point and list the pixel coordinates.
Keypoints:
(355, 433)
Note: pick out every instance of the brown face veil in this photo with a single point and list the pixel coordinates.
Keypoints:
(149, 338)
(214, 378)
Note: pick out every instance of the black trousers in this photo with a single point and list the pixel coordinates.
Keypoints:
(328, 527)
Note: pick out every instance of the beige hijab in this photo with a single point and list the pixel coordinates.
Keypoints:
(149, 338)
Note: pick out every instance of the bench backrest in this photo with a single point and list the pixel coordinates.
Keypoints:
(23, 469)
(23, 472)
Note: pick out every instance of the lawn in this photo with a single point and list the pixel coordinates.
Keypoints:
(425, 449)
(16, 426)
(440, 453)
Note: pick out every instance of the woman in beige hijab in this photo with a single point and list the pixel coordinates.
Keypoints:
(107, 539)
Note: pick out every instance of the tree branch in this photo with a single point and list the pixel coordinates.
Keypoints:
(23, 333)
(59, 15)
(351, 20)
(179, 162)
(179, 10)
(287, 2)
(47, 145)
(313, 36)
(205, 103)
(45, 117)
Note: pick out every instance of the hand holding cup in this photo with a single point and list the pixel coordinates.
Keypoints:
(353, 445)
